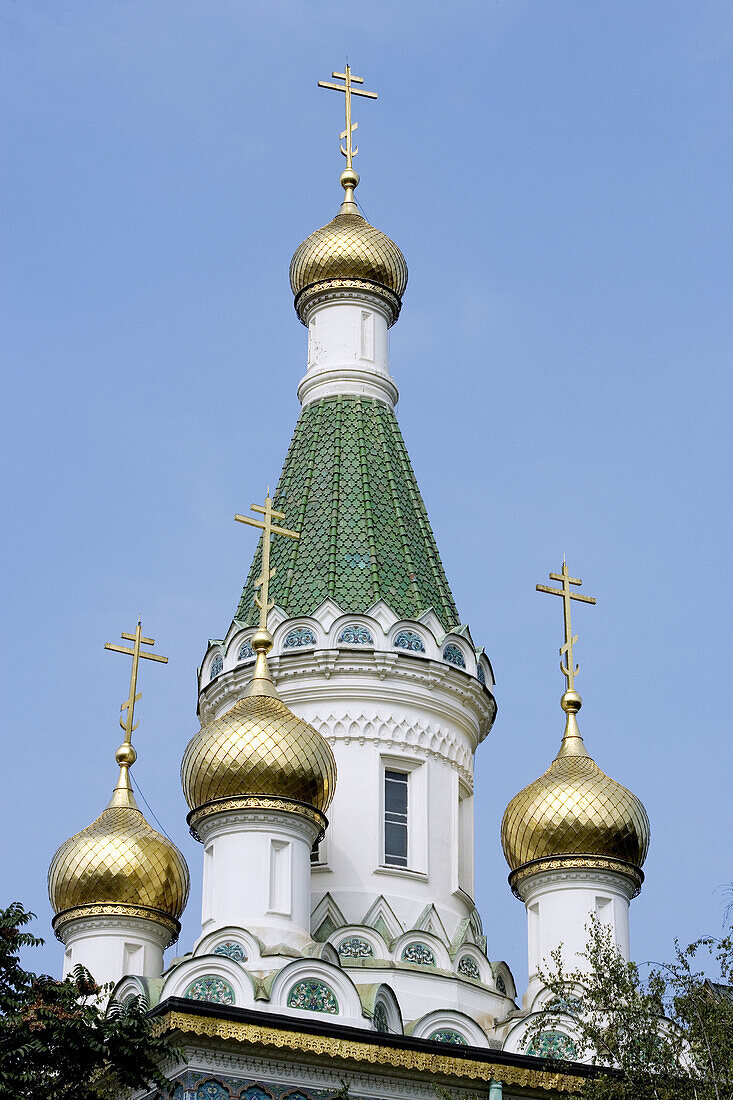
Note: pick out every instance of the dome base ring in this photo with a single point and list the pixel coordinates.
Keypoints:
(580, 862)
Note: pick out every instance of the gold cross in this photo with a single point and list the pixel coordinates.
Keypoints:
(268, 529)
(570, 668)
(126, 721)
(346, 87)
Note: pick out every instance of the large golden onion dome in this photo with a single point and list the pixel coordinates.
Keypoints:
(348, 253)
(258, 749)
(120, 865)
(574, 814)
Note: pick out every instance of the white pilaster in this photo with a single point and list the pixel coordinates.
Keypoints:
(257, 873)
(348, 348)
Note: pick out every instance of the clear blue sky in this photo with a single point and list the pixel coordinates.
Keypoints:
(558, 177)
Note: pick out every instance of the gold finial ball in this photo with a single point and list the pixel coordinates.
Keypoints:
(349, 178)
(571, 701)
(262, 641)
(126, 755)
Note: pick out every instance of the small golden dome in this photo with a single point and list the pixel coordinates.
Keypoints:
(348, 252)
(119, 860)
(259, 748)
(574, 810)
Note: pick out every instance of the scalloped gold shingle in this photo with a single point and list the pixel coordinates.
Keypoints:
(258, 747)
(575, 809)
(119, 860)
(348, 248)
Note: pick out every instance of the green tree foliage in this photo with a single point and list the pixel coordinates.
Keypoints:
(57, 1042)
(666, 1036)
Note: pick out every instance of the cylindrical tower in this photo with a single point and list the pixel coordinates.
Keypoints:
(575, 841)
(118, 889)
(258, 781)
(369, 647)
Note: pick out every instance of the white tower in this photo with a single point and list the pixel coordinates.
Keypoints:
(258, 781)
(575, 840)
(118, 889)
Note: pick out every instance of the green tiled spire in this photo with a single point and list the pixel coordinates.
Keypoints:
(347, 485)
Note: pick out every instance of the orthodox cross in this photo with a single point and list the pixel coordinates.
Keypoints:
(347, 88)
(127, 720)
(570, 668)
(268, 529)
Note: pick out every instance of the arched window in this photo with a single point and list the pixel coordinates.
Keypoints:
(481, 675)
(298, 637)
(313, 996)
(500, 983)
(381, 1019)
(245, 651)
(453, 654)
(408, 639)
(217, 666)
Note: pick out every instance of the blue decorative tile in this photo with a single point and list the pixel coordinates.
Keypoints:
(453, 654)
(298, 637)
(354, 634)
(407, 639)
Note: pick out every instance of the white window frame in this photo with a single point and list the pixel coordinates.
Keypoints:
(417, 814)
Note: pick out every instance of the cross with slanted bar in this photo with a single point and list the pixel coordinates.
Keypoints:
(570, 668)
(349, 79)
(268, 529)
(126, 721)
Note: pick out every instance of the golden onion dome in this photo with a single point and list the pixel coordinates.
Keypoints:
(259, 749)
(119, 864)
(348, 253)
(574, 813)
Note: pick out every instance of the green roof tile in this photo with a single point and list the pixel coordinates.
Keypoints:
(347, 485)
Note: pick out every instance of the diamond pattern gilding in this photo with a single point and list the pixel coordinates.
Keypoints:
(258, 747)
(347, 485)
(348, 248)
(119, 860)
(575, 809)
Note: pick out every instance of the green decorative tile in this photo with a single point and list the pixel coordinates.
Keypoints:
(347, 485)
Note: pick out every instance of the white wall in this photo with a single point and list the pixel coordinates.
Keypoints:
(348, 349)
(257, 874)
(111, 946)
(559, 905)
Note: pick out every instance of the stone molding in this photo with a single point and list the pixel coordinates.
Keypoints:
(338, 290)
(110, 916)
(557, 869)
(256, 809)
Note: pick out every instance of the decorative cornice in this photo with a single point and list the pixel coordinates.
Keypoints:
(402, 1057)
(327, 287)
(259, 803)
(81, 912)
(454, 696)
(563, 864)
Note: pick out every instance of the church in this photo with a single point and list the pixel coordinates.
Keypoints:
(330, 786)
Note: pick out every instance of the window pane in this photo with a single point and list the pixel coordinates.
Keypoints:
(395, 792)
(395, 842)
